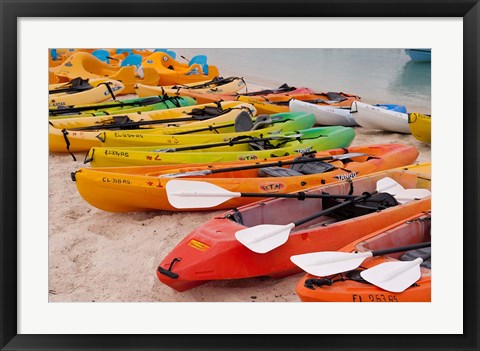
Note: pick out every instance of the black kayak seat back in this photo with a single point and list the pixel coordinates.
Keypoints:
(336, 97)
(262, 121)
(422, 253)
(243, 122)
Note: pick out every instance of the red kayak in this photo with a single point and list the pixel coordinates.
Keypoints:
(212, 251)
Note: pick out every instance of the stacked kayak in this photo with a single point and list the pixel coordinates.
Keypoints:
(218, 85)
(258, 239)
(375, 117)
(420, 126)
(264, 126)
(283, 90)
(80, 133)
(391, 245)
(331, 115)
(172, 72)
(304, 141)
(277, 104)
(144, 188)
(114, 107)
(85, 65)
(79, 91)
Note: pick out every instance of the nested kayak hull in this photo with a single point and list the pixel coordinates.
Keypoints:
(412, 230)
(374, 117)
(231, 86)
(328, 138)
(211, 251)
(280, 103)
(324, 115)
(99, 93)
(143, 188)
(84, 140)
(420, 127)
(292, 122)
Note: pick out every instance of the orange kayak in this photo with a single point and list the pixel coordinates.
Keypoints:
(85, 65)
(142, 188)
(284, 90)
(212, 251)
(277, 104)
(351, 287)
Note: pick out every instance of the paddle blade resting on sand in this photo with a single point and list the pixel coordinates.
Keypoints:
(394, 276)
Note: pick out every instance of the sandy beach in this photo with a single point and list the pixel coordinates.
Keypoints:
(98, 256)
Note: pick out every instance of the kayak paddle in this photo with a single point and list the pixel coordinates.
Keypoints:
(256, 166)
(234, 141)
(181, 192)
(326, 263)
(394, 276)
(266, 237)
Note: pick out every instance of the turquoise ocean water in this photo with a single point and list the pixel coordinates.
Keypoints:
(377, 75)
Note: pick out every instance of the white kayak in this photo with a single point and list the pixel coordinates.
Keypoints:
(324, 115)
(374, 117)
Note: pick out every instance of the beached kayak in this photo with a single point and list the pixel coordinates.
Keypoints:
(283, 90)
(80, 134)
(213, 252)
(116, 107)
(218, 85)
(349, 286)
(86, 93)
(172, 72)
(85, 65)
(333, 116)
(264, 127)
(420, 126)
(304, 141)
(280, 103)
(374, 117)
(126, 189)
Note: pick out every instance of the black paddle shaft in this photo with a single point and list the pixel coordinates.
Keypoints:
(300, 195)
(334, 208)
(401, 249)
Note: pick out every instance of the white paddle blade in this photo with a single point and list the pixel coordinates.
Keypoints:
(196, 194)
(264, 237)
(326, 263)
(394, 276)
(408, 195)
(388, 185)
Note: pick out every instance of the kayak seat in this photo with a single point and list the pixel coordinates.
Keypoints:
(261, 145)
(243, 122)
(423, 253)
(336, 97)
(277, 172)
(313, 167)
(102, 55)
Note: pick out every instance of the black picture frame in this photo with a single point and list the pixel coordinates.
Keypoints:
(12, 10)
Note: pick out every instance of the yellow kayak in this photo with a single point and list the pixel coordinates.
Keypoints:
(80, 134)
(89, 92)
(266, 126)
(420, 126)
(218, 85)
(303, 141)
